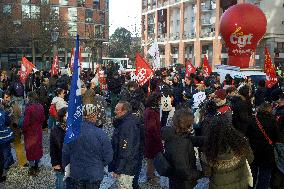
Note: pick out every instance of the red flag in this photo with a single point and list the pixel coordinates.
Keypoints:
(206, 67)
(143, 70)
(55, 66)
(271, 77)
(72, 58)
(189, 69)
(26, 69)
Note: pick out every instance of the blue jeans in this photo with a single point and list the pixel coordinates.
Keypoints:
(76, 184)
(8, 157)
(59, 183)
(261, 176)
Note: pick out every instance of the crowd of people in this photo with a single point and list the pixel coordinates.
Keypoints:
(189, 128)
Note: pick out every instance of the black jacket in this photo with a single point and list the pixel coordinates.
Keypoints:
(280, 120)
(56, 144)
(262, 150)
(180, 153)
(260, 96)
(126, 145)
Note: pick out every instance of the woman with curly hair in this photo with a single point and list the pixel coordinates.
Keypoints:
(179, 151)
(225, 156)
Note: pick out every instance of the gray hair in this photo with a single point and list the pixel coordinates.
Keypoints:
(126, 106)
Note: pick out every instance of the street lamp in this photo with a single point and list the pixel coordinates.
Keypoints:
(54, 37)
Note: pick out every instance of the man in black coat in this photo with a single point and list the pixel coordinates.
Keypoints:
(126, 146)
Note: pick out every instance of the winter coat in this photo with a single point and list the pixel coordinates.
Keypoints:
(59, 103)
(114, 85)
(56, 144)
(230, 171)
(260, 96)
(6, 134)
(180, 154)
(262, 150)
(240, 116)
(279, 114)
(152, 125)
(32, 130)
(177, 93)
(126, 145)
(88, 154)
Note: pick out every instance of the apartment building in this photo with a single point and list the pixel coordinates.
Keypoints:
(188, 29)
(85, 17)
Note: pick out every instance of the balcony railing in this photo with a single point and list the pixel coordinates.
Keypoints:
(188, 36)
(161, 38)
(174, 36)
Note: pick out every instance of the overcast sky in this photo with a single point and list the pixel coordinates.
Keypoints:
(125, 13)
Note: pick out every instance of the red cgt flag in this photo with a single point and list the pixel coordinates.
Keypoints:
(143, 70)
(207, 70)
(189, 69)
(26, 69)
(55, 66)
(271, 77)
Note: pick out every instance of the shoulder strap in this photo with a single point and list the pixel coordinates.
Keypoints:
(263, 131)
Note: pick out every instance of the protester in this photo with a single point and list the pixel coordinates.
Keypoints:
(179, 152)
(153, 141)
(6, 137)
(56, 144)
(262, 134)
(225, 154)
(32, 131)
(126, 145)
(14, 107)
(278, 170)
(88, 154)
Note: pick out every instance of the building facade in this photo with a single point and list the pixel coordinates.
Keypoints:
(188, 29)
(88, 18)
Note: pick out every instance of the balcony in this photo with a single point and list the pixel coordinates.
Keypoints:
(161, 38)
(206, 22)
(207, 34)
(187, 36)
(174, 36)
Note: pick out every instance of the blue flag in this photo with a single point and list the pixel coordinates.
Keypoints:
(74, 116)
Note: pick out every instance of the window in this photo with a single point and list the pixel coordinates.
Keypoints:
(25, 1)
(89, 16)
(99, 31)
(72, 28)
(96, 4)
(106, 4)
(45, 2)
(63, 2)
(7, 9)
(30, 11)
(102, 18)
(81, 3)
(72, 13)
(55, 13)
(178, 22)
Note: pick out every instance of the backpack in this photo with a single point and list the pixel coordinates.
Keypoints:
(52, 111)
(18, 89)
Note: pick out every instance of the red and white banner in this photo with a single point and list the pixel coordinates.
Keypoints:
(143, 70)
(72, 58)
(154, 52)
(55, 66)
(26, 69)
(271, 77)
(207, 70)
(189, 69)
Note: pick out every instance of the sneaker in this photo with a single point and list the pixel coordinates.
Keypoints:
(32, 171)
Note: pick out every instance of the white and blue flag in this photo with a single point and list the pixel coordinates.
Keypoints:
(74, 111)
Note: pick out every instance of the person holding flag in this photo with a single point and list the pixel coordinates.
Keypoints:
(87, 148)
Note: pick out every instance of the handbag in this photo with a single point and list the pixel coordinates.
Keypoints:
(162, 165)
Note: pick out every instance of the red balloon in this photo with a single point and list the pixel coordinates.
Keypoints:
(242, 26)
